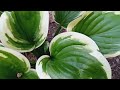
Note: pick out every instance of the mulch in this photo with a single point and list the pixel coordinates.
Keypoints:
(115, 66)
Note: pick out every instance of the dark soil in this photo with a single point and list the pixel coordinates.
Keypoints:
(115, 65)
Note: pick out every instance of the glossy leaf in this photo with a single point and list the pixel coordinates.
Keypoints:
(73, 56)
(65, 17)
(103, 28)
(24, 30)
(31, 74)
(14, 65)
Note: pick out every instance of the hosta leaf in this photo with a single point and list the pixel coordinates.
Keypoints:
(24, 30)
(103, 28)
(73, 56)
(65, 17)
(31, 74)
(13, 65)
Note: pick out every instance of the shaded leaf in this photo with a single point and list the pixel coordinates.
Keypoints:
(65, 17)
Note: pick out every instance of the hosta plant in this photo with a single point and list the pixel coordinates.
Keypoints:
(70, 55)
(103, 28)
(73, 56)
(13, 65)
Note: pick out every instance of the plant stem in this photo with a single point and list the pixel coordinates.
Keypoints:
(58, 30)
(38, 52)
(42, 50)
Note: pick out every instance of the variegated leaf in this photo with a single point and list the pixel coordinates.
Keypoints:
(65, 17)
(103, 27)
(73, 56)
(13, 65)
(24, 31)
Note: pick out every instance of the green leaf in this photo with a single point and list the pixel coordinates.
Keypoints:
(65, 17)
(1, 45)
(0, 13)
(24, 30)
(73, 56)
(31, 74)
(13, 65)
(103, 28)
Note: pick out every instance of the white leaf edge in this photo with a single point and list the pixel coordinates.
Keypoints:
(44, 26)
(53, 16)
(74, 22)
(104, 62)
(39, 70)
(18, 55)
(75, 35)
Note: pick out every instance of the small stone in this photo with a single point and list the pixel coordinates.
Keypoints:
(19, 75)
